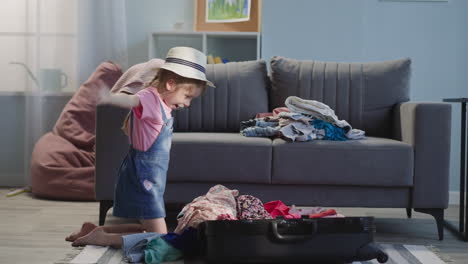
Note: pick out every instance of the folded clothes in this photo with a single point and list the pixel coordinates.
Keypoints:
(315, 109)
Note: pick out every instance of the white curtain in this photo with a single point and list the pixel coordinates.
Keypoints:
(102, 34)
(48, 48)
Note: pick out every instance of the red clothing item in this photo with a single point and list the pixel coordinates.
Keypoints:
(275, 112)
(323, 214)
(275, 208)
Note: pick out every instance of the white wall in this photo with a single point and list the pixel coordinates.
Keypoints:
(146, 16)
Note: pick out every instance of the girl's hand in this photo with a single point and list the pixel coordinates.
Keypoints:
(104, 96)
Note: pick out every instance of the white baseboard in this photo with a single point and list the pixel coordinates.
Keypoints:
(454, 197)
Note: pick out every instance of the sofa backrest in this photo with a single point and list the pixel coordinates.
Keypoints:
(241, 92)
(364, 94)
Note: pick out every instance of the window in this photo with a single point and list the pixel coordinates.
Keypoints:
(38, 41)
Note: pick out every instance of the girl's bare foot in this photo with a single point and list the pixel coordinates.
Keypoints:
(86, 228)
(96, 237)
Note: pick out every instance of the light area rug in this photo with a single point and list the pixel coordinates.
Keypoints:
(397, 253)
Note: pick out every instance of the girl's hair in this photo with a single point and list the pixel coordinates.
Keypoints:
(163, 76)
(159, 82)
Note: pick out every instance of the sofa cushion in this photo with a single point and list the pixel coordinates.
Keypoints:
(361, 93)
(240, 93)
(367, 162)
(220, 158)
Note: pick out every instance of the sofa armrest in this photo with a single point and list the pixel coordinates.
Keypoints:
(111, 148)
(426, 126)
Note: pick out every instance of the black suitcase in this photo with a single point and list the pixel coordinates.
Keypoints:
(320, 240)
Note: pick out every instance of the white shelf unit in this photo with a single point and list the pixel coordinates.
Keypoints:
(233, 46)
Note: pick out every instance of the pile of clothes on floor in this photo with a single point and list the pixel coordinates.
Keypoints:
(219, 203)
(301, 120)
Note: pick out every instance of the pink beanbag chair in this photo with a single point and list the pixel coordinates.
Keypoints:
(62, 162)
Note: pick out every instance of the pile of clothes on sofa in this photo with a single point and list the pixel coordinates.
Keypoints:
(219, 203)
(301, 120)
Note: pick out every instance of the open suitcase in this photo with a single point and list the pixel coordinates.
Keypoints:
(319, 240)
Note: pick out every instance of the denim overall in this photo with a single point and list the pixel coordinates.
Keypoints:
(142, 177)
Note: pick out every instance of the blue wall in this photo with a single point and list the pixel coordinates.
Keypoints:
(146, 16)
(430, 33)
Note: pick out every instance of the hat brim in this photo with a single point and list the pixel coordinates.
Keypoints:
(182, 71)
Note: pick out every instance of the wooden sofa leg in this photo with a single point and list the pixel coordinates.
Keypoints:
(438, 214)
(408, 212)
(104, 206)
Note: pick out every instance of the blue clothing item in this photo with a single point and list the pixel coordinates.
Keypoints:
(293, 115)
(158, 251)
(256, 131)
(134, 244)
(141, 180)
(263, 123)
(187, 241)
(258, 122)
(331, 132)
(298, 131)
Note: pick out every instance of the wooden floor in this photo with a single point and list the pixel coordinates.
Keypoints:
(32, 230)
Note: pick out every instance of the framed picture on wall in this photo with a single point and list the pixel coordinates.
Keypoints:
(227, 15)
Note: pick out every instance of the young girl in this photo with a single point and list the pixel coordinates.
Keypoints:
(142, 176)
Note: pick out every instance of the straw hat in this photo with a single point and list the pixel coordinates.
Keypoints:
(187, 62)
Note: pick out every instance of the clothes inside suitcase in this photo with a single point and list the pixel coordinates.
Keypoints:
(320, 240)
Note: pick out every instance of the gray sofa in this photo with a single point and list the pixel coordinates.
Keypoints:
(402, 163)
